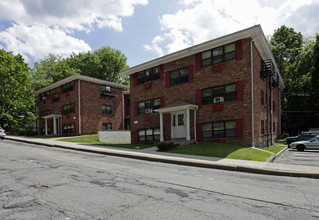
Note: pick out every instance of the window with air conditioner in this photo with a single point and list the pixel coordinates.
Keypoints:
(105, 89)
(218, 99)
(219, 94)
(147, 107)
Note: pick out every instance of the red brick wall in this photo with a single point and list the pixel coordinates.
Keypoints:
(91, 108)
(263, 111)
(233, 71)
(64, 99)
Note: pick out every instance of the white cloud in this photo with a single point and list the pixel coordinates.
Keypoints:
(202, 20)
(38, 42)
(155, 46)
(70, 14)
(46, 26)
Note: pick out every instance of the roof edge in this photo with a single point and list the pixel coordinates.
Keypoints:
(248, 32)
(81, 77)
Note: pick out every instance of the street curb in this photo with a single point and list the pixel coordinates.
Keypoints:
(274, 157)
(178, 161)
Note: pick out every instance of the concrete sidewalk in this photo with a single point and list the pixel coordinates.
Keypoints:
(151, 154)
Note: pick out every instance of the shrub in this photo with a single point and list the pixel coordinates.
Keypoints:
(164, 146)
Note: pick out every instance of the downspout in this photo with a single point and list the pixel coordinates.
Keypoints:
(195, 125)
(252, 95)
(79, 97)
(271, 117)
(123, 111)
(279, 129)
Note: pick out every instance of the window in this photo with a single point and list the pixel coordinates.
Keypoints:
(262, 96)
(45, 95)
(273, 106)
(147, 107)
(179, 76)
(68, 109)
(148, 75)
(229, 92)
(218, 55)
(149, 135)
(106, 126)
(55, 97)
(180, 119)
(67, 87)
(262, 127)
(273, 127)
(68, 128)
(219, 129)
(44, 113)
(106, 109)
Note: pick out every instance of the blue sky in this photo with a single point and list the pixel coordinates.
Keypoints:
(141, 29)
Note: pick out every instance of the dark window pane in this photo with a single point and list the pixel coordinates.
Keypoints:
(140, 77)
(206, 62)
(155, 73)
(217, 51)
(230, 56)
(141, 108)
(156, 104)
(218, 59)
(231, 133)
(218, 91)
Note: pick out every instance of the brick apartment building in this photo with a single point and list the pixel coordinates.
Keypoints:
(81, 105)
(224, 90)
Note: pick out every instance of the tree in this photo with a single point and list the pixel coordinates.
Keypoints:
(16, 99)
(285, 45)
(297, 59)
(104, 63)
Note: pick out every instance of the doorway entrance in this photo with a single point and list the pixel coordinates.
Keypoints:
(178, 126)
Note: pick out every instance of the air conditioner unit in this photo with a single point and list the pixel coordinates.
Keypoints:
(218, 99)
(148, 111)
(106, 89)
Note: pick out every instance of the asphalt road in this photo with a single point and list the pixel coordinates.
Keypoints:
(48, 183)
(294, 157)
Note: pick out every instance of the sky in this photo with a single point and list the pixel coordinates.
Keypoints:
(142, 29)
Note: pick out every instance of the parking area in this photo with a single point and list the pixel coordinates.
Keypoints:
(294, 157)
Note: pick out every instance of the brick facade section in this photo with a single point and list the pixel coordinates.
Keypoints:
(91, 108)
(233, 71)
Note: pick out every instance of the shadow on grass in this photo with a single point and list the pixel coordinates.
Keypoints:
(222, 151)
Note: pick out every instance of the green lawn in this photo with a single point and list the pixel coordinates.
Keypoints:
(275, 149)
(202, 149)
(223, 151)
(92, 139)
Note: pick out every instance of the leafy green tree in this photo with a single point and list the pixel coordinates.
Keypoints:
(104, 63)
(286, 45)
(16, 99)
(297, 59)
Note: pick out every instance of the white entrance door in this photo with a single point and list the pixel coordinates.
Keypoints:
(178, 124)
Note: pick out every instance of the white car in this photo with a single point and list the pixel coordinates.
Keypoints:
(312, 144)
(2, 133)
